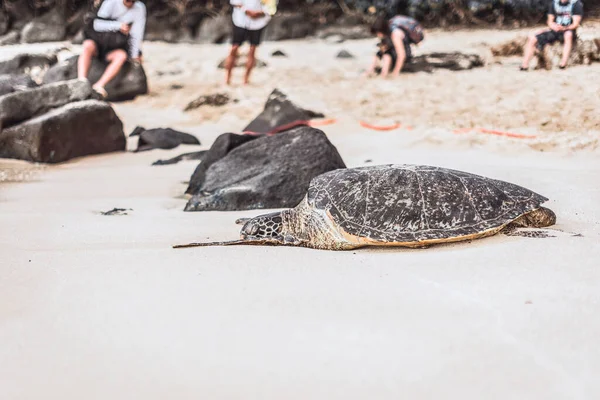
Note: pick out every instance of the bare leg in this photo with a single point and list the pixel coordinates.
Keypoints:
(386, 63)
(568, 45)
(250, 63)
(230, 62)
(85, 58)
(530, 48)
(372, 67)
(116, 59)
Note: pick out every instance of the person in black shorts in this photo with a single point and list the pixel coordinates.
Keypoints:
(249, 20)
(564, 17)
(384, 60)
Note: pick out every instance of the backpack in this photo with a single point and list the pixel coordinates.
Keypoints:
(410, 26)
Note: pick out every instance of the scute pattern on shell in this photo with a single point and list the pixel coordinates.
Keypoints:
(406, 203)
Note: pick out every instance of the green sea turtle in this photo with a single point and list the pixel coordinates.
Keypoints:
(396, 205)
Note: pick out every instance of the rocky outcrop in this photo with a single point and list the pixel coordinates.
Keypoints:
(279, 111)
(455, 61)
(129, 83)
(269, 172)
(15, 83)
(50, 27)
(23, 105)
(285, 26)
(215, 30)
(25, 63)
(74, 130)
(219, 149)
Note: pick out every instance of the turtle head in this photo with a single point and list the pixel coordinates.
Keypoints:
(265, 228)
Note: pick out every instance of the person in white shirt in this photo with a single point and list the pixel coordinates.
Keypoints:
(249, 20)
(126, 17)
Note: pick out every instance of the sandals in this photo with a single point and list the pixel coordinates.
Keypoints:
(522, 68)
(101, 91)
(562, 66)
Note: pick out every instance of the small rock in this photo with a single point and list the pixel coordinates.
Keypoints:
(215, 100)
(116, 211)
(278, 53)
(344, 54)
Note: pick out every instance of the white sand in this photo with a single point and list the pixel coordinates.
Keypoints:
(99, 307)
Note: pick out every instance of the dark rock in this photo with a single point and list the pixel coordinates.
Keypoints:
(15, 83)
(129, 83)
(78, 38)
(10, 38)
(196, 155)
(50, 27)
(23, 105)
(278, 53)
(215, 100)
(241, 61)
(278, 112)
(219, 149)
(344, 54)
(269, 172)
(176, 86)
(74, 130)
(116, 211)
(20, 12)
(161, 29)
(342, 33)
(23, 63)
(161, 138)
(215, 30)
(289, 26)
(4, 22)
(453, 61)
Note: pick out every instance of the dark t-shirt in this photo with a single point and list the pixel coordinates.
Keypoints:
(563, 14)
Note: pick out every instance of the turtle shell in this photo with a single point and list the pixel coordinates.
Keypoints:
(411, 203)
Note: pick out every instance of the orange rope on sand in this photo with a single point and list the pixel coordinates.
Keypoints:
(494, 132)
(380, 127)
(322, 122)
(508, 134)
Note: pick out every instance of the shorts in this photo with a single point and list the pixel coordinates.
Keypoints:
(240, 35)
(391, 53)
(549, 37)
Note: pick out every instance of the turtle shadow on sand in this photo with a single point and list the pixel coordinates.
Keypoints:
(396, 205)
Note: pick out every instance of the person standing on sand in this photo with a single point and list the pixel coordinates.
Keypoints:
(250, 17)
(564, 17)
(116, 33)
(403, 31)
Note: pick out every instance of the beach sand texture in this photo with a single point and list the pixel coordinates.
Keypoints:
(97, 307)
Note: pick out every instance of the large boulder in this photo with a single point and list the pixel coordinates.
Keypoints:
(50, 27)
(26, 63)
(161, 138)
(23, 105)
(4, 22)
(129, 83)
(289, 26)
(15, 83)
(279, 111)
(74, 130)
(219, 149)
(13, 37)
(215, 30)
(585, 51)
(269, 172)
(20, 12)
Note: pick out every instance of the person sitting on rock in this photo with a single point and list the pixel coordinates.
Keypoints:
(384, 60)
(250, 17)
(402, 31)
(564, 17)
(115, 34)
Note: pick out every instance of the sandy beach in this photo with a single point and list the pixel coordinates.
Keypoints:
(96, 307)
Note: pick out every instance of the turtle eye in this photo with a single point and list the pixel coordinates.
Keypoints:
(253, 229)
